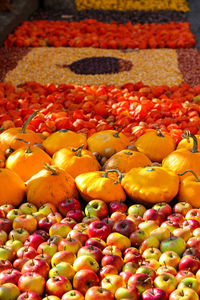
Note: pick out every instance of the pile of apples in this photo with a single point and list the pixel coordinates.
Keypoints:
(102, 251)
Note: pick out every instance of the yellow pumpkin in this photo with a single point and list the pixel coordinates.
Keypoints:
(187, 142)
(183, 159)
(155, 145)
(150, 185)
(189, 189)
(98, 185)
(27, 161)
(52, 184)
(125, 160)
(103, 140)
(10, 138)
(75, 161)
(63, 139)
(12, 188)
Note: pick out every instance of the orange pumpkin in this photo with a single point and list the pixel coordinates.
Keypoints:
(187, 142)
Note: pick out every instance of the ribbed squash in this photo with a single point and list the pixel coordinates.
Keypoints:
(125, 160)
(12, 188)
(52, 184)
(27, 161)
(10, 138)
(98, 185)
(150, 185)
(102, 140)
(183, 159)
(155, 145)
(75, 161)
(64, 139)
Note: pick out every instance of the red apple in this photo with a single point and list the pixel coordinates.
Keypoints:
(184, 274)
(45, 223)
(5, 224)
(164, 208)
(6, 207)
(109, 221)
(58, 286)
(91, 250)
(5, 264)
(69, 221)
(84, 279)
(55, 216)
(76, 214)
(154, 294)
(27, 251)
(125, 275)
(79, 235)
(132, 256)
(176, 217)
(171, 225)
(193, 242)
(67, 205)
(43, 233)
(34, 240)
(96, 208)
(137, 237)
(192, 251)
(182, 208)
(135, 218)
(27, 222)
(44, 256)
(191, 224)
(29, 296)
(2, 213)
(19, 262)
(108, 270)
(63, 256)
(114, 260)
(99, 229)
(117, 206)
(193, 214)
(97, 242)
(10, 275)
(118, 215)
(153, 215)
(36, 265)
(97, 292)
(141, 281)
(125, 227)
(189, 262)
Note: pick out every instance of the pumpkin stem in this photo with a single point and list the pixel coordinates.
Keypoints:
(79, 150)
(113, 170)
(128, 153)
(23, 130)
(51, 169)
(119, 129)
(28, 150)
(159, 133)
(191, 171)
(188, 134)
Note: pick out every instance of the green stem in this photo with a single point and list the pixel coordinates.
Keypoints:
(51, 169)
(28, 150)
(105, 175)
(23, 130)
(118, 131)
(190, 171)
(188, 134)
(159, 133)
(78, 150)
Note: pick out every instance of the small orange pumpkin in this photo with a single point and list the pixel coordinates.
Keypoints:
(52, 184)
(75, 161)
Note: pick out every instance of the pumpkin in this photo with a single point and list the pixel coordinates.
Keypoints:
(187, 142)
(63, 139)
(125, 160)
(183, 159)
(2, 159)
(12, 188)
(189, 189)
(10, 138)
(27, 161)
(75, 161)
(105, 140)
(51, 184)
(150, 185)
(155, 145)
(98, 185)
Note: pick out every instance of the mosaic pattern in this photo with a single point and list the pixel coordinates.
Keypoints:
(125, 5)
(44, 65)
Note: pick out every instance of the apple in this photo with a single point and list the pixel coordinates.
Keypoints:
(34, 240)
(89, 220)
(154, 294)
(137, 237)
(148, 226)
(133, 257)
(13, 213)
(173, 243)
(176, 217)
(19, 262)
(97, 292)
(125, 275)
(76, 214)
(153, 263)
(166, 269)
(130, 267)
(73, 295)
(84, 279)
(99, 229)
(63, 256)
(153, 215)
(27, 208)
(196, 232)
(51, 297)
(109, 221)
(119, 240)
(43, 233)
(97, 242)
(193, 242)
(29, 296)
(135, 218)
(166, 282)
(15, 244)
(60, 229)
(47, 247)
(107, 270)
(147, 270)
(193, 214)
(182, 208)
(96, 208)
(192, 251)
(33, 282)
(189, 262)
(47, 208)
(137, 209)
(117, 206)
(7, 252)
(6, 207)
(56, 239)
(118, 215)
(126, 293)
(190, 282)
(9, 289)
(38, 216)
(191, 224)
(69, 221)
(2, 213)
(3, 237)
(112, 283)
(36, 265)
(27, 251)
(86, 262)
(19, 234)
(5, 224)
(170, 225)
(5, 264)
(163, 207)
(95, 252)
(184, 233)
(27, 222)
(112, 250)
(141, 281)
(10, 275)
(55, 216)
(149, 242)
(125, 227)
(114, 260)
(79, 235)
(184, 274)
(82, 227)
(44, 256)
(184, 294)
(69, 244)
(46, 223)
(151, 253)
(67, 205)
(58, 286)
(170, 258)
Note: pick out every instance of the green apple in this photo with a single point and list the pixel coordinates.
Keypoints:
(9, 291)
(47, 208)
(190, 282)
(152, 253)
(137, 209)
(166, 282)
(173, 243)
(63, 268)
(7, 252)
(27, 208)
(60, 229)
(13, 213)
(15, 244)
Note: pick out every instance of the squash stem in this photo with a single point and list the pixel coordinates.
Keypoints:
(191, 171)
(159, 133)
(23, 130)
(51, 169)
(28, 150)
(78, 150)
(105, 175)
(119, 129)
(188, 134)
